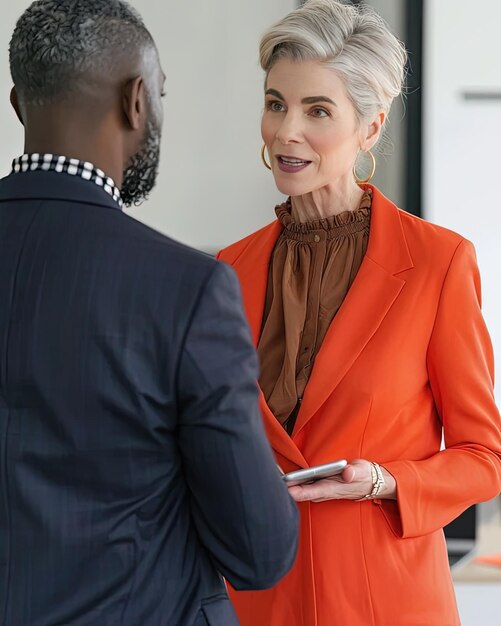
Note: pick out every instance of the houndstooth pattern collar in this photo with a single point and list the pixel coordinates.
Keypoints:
(64, 165)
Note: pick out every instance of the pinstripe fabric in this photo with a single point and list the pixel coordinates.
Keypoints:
(133, 464)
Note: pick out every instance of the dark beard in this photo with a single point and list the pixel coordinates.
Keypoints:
(141, 174)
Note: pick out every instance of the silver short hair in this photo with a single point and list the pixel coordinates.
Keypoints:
(354, 41)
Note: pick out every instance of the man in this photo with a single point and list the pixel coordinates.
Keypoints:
(134, 469)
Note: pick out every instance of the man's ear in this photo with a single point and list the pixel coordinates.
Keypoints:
(14, 100)
(133, 102)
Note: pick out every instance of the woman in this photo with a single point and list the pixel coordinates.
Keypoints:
(368, 325)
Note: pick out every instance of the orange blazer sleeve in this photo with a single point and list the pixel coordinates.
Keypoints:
(432, 492)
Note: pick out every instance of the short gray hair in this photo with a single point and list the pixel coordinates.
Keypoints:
(352, 40)
(57, 45)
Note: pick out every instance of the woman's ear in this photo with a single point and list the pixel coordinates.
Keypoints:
(133, 103)
(14, 100)
(372, 132)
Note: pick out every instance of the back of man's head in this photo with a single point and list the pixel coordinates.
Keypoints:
(88, 84)
(60, 47)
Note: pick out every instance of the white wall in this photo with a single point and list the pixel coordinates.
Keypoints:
(462, 163)
(212, 188)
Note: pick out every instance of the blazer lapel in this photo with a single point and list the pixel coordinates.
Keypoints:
(252, 269)
(374, 290)
(280, 441)
(252, 266)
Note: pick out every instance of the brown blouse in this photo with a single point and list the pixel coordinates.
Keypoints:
(312, 267)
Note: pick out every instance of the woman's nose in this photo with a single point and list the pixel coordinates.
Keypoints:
(290, 130)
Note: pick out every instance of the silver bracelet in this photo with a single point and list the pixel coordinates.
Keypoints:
(378, 482)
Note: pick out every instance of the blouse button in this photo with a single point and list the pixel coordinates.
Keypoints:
(317, 238)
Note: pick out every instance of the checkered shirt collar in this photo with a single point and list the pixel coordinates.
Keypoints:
(74, 167)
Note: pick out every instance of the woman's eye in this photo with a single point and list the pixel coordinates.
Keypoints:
(275, 106)
(317, 112)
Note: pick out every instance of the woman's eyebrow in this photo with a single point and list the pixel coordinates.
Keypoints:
(274, 92)
(308, 100)
(315, 99)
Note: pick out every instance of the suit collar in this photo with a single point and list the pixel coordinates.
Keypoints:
(367, 303)
(39, 185)
(252, 267)
(387, 243)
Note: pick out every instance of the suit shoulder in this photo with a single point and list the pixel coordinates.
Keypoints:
(157, 243)
(231, 253)
(430, 238)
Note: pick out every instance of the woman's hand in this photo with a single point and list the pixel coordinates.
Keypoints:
(354, 483)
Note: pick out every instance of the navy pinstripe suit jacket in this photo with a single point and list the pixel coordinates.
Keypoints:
(134, 468)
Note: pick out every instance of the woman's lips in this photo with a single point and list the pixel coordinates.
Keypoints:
(291, 165)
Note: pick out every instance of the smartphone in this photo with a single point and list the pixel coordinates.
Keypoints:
(317, 472)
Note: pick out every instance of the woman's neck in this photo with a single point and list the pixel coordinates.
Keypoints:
(325, 202)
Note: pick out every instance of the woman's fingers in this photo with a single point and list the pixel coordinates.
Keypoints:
(349, 474)
(315, 491)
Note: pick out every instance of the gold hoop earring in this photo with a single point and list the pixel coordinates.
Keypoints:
(263, 157)
(363, 181)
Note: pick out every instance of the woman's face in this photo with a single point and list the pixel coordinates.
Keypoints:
(310, 127)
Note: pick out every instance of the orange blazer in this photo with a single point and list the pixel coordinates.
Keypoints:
(407, 355)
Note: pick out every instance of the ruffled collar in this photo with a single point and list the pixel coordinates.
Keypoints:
(349, 221)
